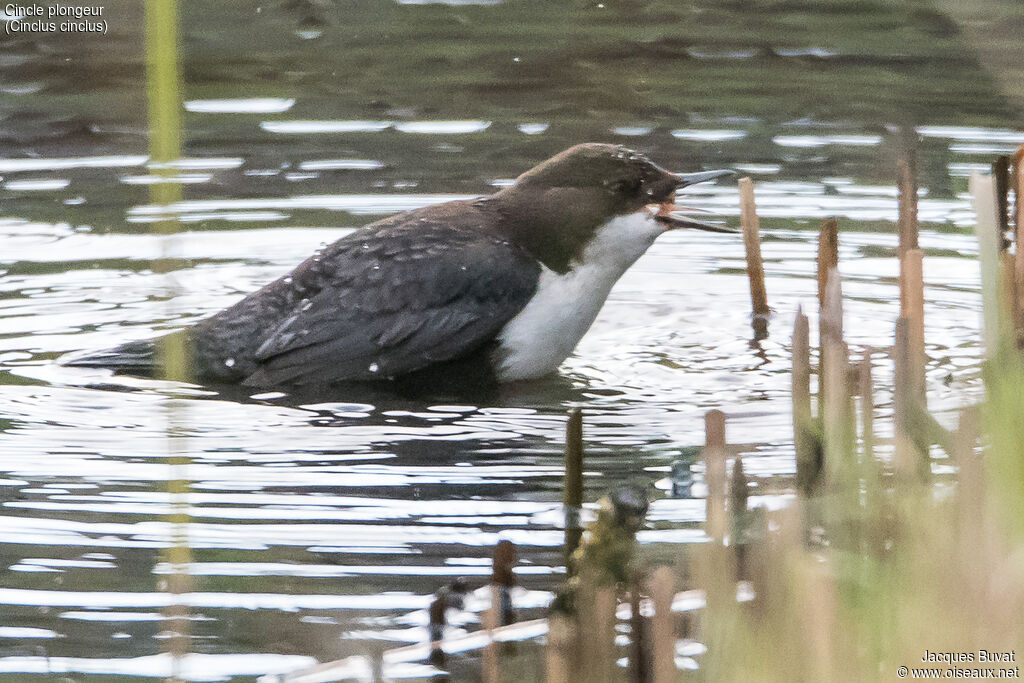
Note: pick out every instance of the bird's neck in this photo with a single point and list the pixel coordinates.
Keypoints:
(565, 305)
(554, 225)
(566, 228)
(618, 242)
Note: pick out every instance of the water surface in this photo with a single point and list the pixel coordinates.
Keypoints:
(321, 527)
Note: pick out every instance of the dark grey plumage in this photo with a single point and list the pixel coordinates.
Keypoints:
(378, 303)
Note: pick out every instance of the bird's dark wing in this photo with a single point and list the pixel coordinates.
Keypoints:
(394, 300)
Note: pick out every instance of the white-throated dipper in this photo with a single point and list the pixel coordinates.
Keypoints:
(502, 287)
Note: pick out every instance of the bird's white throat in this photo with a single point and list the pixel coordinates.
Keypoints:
(545, 332)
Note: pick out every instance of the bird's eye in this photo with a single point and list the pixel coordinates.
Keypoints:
(626, 187)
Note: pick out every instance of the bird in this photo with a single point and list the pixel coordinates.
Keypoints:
(495, 289)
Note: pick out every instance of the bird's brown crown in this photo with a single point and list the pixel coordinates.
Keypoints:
(554, 208)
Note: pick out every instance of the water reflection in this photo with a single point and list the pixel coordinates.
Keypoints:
(323, 523)
(255, 105)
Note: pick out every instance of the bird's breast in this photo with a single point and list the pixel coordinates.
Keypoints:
(536, 341)
(547, 329)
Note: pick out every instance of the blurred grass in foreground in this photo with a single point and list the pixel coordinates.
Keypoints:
(923, 567)
(164, 91)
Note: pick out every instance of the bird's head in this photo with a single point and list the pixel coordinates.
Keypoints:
(562, 205)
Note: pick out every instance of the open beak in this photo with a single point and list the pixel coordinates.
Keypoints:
(667, 217)
(666, 213)
(687, 179)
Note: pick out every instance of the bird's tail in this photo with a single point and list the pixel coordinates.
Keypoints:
(133, 358)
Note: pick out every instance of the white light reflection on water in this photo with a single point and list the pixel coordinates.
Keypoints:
(336, 571)
(192, 667)
(304, 127)
(17, 165)
(709, 135)
(442, 127)
(183, 179)
(968, 134)
(201, 164)
(341, 165)
(398, 600)
(15, 633)
(420, 127)
(253, 105)
(632, 131)
(356, 204)
(824, 140)
(532, 128)
(36, 184)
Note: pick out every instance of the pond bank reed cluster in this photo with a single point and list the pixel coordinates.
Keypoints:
(878, 567)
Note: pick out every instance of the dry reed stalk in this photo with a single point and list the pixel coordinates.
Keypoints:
(906, 457)
(970, 479)
(639, 646)
(906, 181)
(715, 563)
(912, 308)
(755, 265)
(490, 667)
(803, 438)
(983, 190)
(1001, 171)
(714, 473)
(738, 536)
(836, 410)
(663, 636)
(586, 646)
(1018, 224)
(572, 495)
(559, 653)
(828, 255)
(867, 406)
(1001, 175)
(828, 260)
(773, 579)
(601, 642)
(1008, 291)
(738, 492)
(819, 612)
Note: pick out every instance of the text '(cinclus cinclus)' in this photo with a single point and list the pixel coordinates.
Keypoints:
(502, 287)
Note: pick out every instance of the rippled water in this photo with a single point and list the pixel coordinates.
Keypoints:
(320, 528)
